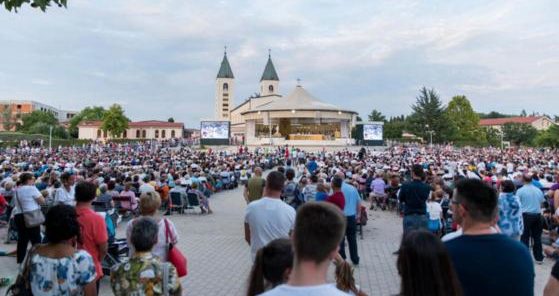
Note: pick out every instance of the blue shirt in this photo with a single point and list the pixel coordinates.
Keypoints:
(531, 198)
(351, 199)
(492, 264)
(510, 218)
(537, 183)
(312, 166)
(321, 196)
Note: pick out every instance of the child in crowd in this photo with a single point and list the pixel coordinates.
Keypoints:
(272, 266)
(344, 278)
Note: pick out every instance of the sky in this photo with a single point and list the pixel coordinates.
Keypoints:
(159, 59)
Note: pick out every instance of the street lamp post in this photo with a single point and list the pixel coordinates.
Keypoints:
(270, 129)
(50, 138)
(430, 132)
(502, 140)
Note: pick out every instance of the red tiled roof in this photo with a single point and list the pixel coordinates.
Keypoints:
(156, 123)
(501, 121)
(140, 124)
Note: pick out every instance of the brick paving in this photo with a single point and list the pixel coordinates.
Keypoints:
(219, 258)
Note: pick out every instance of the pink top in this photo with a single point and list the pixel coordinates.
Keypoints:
(129, 205)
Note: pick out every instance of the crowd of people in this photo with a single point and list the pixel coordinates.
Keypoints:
(91, 189)
(469, 215)
(466, 212)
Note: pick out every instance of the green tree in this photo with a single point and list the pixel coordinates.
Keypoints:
(462, 116)
(519, 133)
(491, 136)
(428, 115)
(494, 114)
(394, 128)
(41, 4)
(114, 121)
(44, 129)
(171, 119)
(37, 117)
(87, 114)
(40, 122)
(376, 115)
(549, 137)
(523, 113)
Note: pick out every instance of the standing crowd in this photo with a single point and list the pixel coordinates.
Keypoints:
(470, 218)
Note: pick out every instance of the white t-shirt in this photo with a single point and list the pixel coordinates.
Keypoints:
(434, 209)
(320, 290)
(62, 196)
(146, 188)
(268, 219)
(26, 199)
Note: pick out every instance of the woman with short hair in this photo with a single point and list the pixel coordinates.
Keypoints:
(145, 274)
(150, 202)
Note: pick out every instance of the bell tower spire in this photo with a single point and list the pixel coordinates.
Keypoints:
(269, 82)
(225, 86)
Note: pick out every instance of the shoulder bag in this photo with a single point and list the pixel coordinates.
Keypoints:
(174, 255)
(22, 286)
(32, 218)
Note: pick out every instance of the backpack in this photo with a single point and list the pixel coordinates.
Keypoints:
(111, 229)
(290, 191)
(297, 196)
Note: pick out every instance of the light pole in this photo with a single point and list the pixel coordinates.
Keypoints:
(502, 139)
(270, 129)
(50, 138)
(430, 132)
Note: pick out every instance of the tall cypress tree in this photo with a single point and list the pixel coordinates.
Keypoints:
(428, 114)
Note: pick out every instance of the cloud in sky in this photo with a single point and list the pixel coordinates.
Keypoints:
(159, 58)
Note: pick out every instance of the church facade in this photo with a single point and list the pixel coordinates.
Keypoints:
(272, 119)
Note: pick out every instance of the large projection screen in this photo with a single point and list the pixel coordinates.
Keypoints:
(372, 132)
(214, 132)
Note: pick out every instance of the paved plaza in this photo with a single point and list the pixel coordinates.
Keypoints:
(219, 258)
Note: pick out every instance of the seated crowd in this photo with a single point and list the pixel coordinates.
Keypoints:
(470, 216)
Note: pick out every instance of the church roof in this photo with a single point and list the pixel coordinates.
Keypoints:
(269, 71)
(299, 99)
(225, 69)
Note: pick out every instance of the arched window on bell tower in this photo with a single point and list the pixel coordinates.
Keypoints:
(226, 87)
(271, 88)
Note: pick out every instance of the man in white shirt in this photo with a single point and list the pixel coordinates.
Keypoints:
(319, 229)
(269, 217)
(65, 194)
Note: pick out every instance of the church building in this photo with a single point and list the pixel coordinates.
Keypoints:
(271, 119)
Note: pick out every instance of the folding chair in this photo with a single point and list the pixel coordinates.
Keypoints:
(193, 201)
(176, 202)
(101, 206)
(118, 204)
